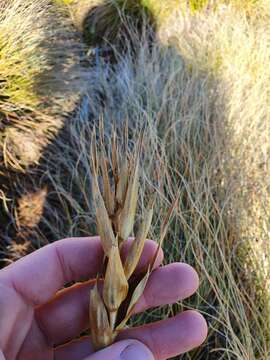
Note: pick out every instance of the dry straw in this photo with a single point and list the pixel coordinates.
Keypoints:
(115, 200)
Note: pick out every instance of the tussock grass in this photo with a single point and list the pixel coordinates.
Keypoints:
(101, 20)
(39, 55)
(202, 90)
(41, 77)
(19, 63)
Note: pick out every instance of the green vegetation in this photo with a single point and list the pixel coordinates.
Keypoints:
(20, 57)
(196, 5)
(40, 73)
(65, 2)
(34, 61)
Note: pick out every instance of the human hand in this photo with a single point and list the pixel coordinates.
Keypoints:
(41, 320)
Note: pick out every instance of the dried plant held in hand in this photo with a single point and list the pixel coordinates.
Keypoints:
(115, 187)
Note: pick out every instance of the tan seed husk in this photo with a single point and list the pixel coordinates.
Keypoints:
(137, 246)
(115, 158)
(102, 218)
(122, 182)
(109, 198)
(127, 215)
(101, 333)
(115, 284)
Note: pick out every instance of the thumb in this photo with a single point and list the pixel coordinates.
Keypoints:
(123, 350)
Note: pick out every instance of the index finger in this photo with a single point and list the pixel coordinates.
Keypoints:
(38, 276)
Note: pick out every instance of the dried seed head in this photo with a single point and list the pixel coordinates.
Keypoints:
(101, 333)
(109, 198)
(115, 284)
(121, 187)
(115, 211)
(127, 215)
(137, 246)
(103, 221)
(115, 157)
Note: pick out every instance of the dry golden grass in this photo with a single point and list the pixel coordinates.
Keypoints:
(202, 90)
(41, 78)
(40, 58)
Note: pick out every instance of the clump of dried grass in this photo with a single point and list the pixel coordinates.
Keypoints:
(37, 59)
(106, 22)
(103, 22)
(41, 77)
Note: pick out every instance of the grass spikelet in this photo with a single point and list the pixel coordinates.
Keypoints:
(136, 248)
(109, 197)
(127, 215)
(123, 181)
(101, 334)
(104, 224)
(117, 287)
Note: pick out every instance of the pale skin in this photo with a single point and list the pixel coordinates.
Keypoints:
(39, 319)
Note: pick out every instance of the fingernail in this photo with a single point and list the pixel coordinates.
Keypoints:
(137, 351)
